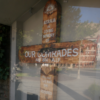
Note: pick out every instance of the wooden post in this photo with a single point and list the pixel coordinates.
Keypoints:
(50, 34)
(51, 22)
(48, 90)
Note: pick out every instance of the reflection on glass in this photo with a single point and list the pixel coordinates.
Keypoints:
(79, 23)
(76, 81)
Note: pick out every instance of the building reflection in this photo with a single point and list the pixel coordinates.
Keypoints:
(89, 54)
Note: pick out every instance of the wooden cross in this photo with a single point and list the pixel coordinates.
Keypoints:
(50, 51)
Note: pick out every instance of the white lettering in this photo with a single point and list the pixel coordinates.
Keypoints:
(75, 52)
(44, 77)
(38, 55)
(46, 92)
(29, 54)
(54, 20)
(49, 82)
(48, 30)
(58, 53)
(45, 55)
(47, 40)
(53, 60)
(69, 53)
(58, 59)
(45, 85)
(49, 54)
(45, 60)
(33, 54)
(50, 21)
(48, 35)
(54, 54)
(49, 78)
(63, 50)
(26, 54)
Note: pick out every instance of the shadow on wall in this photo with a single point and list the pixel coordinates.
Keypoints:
(72, 93)
(32, 97)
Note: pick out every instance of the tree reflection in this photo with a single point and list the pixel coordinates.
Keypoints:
(72, 30)
(72, 27)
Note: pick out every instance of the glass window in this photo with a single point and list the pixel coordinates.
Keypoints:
(51, 57)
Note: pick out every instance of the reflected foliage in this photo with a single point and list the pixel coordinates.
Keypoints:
(73, 29)
(93, 90)
(4, 51)
(27, 36)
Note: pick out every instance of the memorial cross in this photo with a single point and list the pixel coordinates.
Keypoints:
(50, 51)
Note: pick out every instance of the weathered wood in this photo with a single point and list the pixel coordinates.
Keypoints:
(48, 83)
(51, 22)
(51, 53)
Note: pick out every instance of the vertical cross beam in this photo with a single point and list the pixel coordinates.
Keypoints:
(50, 34)
(51, 22)
(48, 90)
